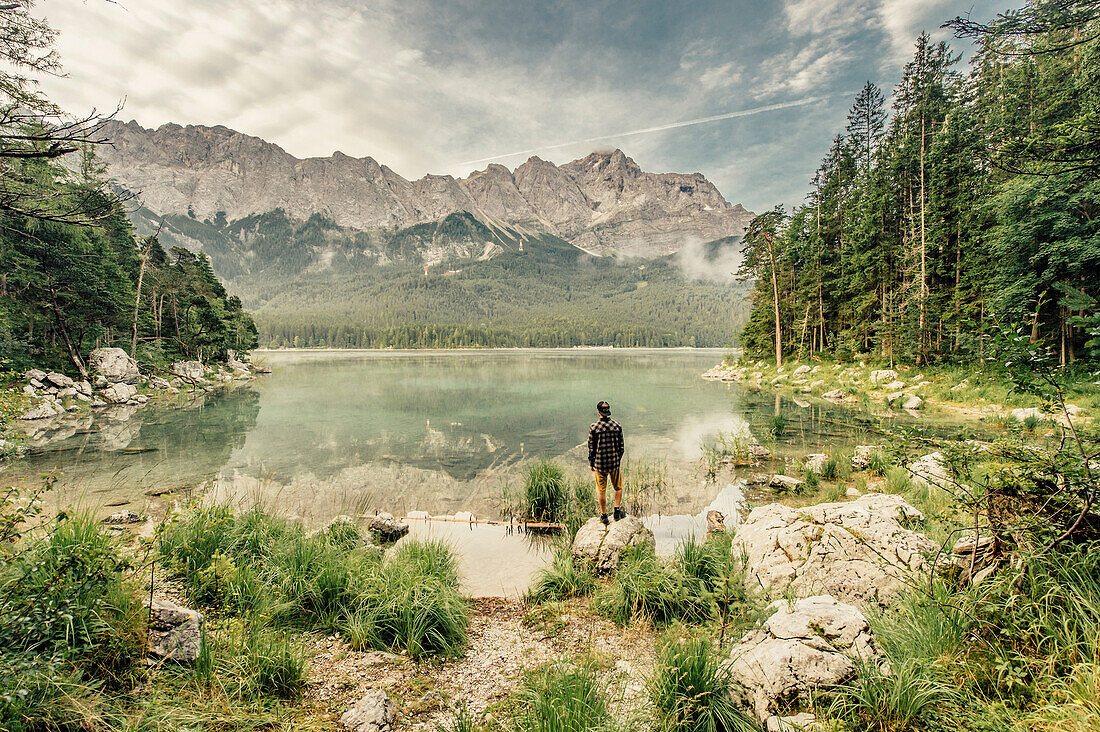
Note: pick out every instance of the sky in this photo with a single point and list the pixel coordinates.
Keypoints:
(747, 93)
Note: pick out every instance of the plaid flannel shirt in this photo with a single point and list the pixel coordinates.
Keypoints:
(605, 445)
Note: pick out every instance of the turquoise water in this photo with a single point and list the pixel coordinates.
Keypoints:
(439, 432)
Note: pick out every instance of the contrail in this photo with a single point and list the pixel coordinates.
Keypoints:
(658, 128)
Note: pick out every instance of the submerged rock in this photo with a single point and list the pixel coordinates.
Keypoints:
(119, 393)
(836, 395)
(114, 365)
(804, 647)
(716, 522)
(43, 410)
(175, 632)
(372, 713)
(124, 517)
(387, 528)
(603, 545)
(783, 483)
(856, 551)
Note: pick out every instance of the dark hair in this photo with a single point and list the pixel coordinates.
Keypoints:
(604, 408)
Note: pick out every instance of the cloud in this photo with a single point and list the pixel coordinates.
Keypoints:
(417, 84)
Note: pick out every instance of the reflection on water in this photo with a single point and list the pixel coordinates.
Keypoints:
(443, 431)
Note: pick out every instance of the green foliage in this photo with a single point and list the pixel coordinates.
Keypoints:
(275, 574)
(561, 580)
(704, 584)
(892, 702)
(563, 698)
(777, 425)
(972, 204)
(692, 690)
(546, 492)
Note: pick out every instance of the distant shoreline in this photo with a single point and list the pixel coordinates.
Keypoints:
(476, 349)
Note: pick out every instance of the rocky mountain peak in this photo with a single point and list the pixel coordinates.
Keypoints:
(603, 202)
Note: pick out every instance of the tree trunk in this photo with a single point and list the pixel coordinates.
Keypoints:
(137, 302)
(923, 266)
(775, 302)
(74, 353)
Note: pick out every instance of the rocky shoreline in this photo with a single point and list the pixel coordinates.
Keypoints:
(116, 385)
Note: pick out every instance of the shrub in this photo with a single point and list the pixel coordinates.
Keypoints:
(562, 698)
(546, 490)
(561, 580)
(878, 463)
(777, 425)
(893, 702)
(692, 690)
(838, 466)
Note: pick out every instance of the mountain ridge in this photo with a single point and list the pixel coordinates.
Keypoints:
(603, 203)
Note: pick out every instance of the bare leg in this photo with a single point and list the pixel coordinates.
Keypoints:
(601, 492)
(617, 483)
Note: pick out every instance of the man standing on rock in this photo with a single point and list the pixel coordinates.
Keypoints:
(605, 455)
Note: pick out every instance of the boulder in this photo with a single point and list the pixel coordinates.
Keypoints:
(805, 646)
(883, 375)
(114, 365)
(801, 370)
(84, 388)
(35, 375)
(175, 633)
(42, 410)
(894, 386)
(602, 546)
(783, 483)
(30, 390)
(913, 402)
(119, 393)
(815, 462)
(387, 528)
(716, 522)
(192, 370)
(1028, 413)
(857, 551)
(61, 381)
(931, 470)
(836, 395)
(124, 517)
(861, 456)
(373, 713)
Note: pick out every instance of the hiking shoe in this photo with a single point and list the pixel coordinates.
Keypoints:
(603, 519)
(619, 513)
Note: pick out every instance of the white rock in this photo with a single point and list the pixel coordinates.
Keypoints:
(836, 395)
(806, 646)
(815, 462)
(784, 483)
(114, 365)
(913, 402)
(801, 370)
(883, 375)
(372, 713)
(603, 545)
(119, 393)
(43, 410)
(30, 390)
(192, 370)
(61, 381)
(857, 551)
(852, 492)
(35, 375)
(931, 469)
(894, 385)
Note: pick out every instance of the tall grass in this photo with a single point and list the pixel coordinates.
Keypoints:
(892, 702)
(546, 492)
(562, 579)
(704, 583)
(692, 690)
(276, 575)
(563, 698)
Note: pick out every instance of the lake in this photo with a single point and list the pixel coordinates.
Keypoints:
(330, 432)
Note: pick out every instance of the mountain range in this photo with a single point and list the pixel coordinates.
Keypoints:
(343, 251)
(602, 203)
